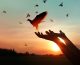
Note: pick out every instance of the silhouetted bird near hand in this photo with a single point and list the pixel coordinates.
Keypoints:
(38, 19)
(61, 4)
(25, 44)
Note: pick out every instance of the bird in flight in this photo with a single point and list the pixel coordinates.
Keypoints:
(28, 15)
(20, 22)
(51, 20)
(44, 1)
(61, 4)
(4, 12)
(38, 19)
(67, 15)
(25, 44)
(36, 12)
(36, 5)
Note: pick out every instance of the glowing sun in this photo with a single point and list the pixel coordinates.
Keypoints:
(54, 46)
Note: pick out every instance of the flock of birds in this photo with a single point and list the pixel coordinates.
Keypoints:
(61, 5)
(28, 15)
(44, 1)
(37, 5)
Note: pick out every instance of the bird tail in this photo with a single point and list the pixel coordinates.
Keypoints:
(29, 20)
(36, 27)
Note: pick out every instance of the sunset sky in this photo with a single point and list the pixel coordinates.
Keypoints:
(14, 35)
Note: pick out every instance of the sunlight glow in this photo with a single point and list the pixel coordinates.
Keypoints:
(62, 40)
(54, 47)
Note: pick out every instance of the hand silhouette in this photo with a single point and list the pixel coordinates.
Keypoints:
(69, 50)
(50, 35)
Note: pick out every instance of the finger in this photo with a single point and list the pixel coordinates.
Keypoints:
(47, 32)
(41, 33)
(36, 33)
(51, 32)
(61, 32)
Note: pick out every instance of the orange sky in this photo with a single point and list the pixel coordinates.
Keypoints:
(14, 35)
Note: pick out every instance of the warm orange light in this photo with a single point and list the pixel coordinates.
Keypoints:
(54, 47)
(61, 40)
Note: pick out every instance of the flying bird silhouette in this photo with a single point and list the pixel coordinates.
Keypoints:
(38, 19)
(36, 5)
(67, 15)
(4, 11)
(20, 22)
(44, 1)
(25, 44)
(28, 15)
(36, 12)
(61, 4)
(51, 20)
